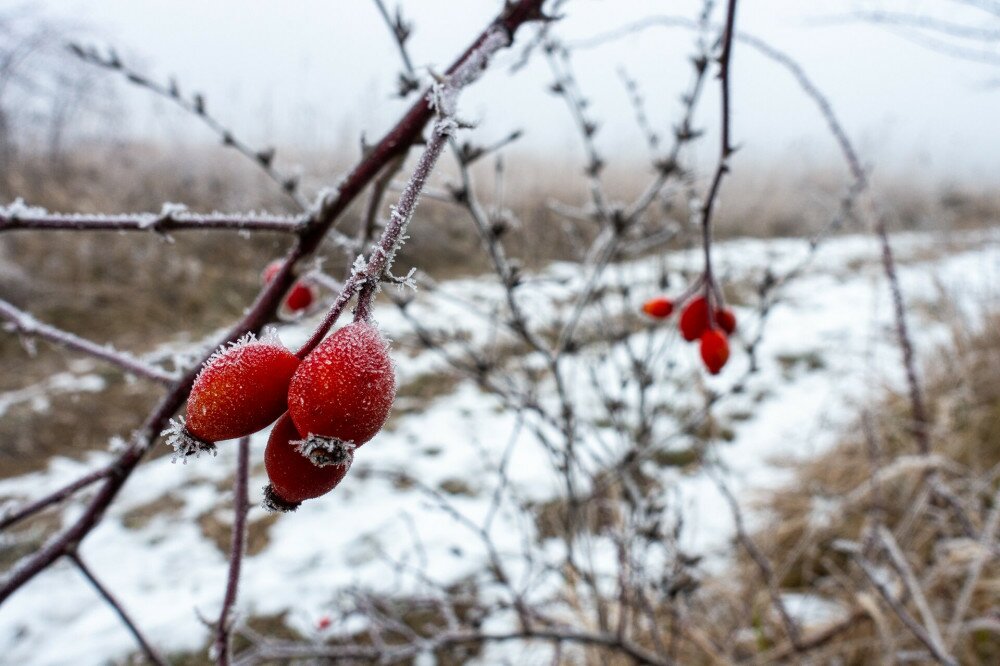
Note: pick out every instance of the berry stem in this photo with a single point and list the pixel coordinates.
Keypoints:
(726, 149)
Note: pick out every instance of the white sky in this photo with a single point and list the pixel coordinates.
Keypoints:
(317, 72)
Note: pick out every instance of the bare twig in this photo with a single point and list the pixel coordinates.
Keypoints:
(144, 644)
(940, 654)
(986, 541)
(169, 219)
(196, 106)
(23, 323)
(70, 489)
(237, 548)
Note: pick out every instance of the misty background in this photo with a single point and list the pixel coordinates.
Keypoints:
(315, 76)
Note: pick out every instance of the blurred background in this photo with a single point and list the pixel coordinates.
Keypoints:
(915, 83)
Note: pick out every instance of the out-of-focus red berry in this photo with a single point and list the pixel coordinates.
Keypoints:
(659, 307)
(694, 319)
(726, 320)
(300, 296)
(714, 350)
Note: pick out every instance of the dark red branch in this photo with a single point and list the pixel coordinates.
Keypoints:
(236, 552)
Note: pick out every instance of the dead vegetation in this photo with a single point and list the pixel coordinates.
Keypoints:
(874, 492)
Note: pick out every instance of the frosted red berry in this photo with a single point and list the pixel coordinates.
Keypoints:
(694, 319)
(241, 389)
(659, 307)
(344, 389)
(714, 350)
(293, 477)
(726, 320)
(302, 294)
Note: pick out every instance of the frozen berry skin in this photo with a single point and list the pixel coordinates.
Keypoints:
(726, 320)
(294, 478)
(241, 389)
(658, 308)
(343, 390)
(714, 350)
(694, 319)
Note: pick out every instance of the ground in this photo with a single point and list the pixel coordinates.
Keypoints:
(828, 348)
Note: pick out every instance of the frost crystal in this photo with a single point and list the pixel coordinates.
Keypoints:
(21, 209)
(185, 444)
(326, 451)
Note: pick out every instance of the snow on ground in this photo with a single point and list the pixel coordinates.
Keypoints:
(829, 347)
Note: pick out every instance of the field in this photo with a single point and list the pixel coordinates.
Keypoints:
(687, 401)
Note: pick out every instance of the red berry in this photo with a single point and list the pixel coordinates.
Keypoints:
(241, 389)
(694, 319)
(301, 295)
(726, 320)
(271, 270)
(659, 307)
(293, 476)
(323, 623)
(714, 350)
(343, 390)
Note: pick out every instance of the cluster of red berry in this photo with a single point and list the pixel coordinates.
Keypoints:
(300, 297)
(326, 405)
(700, 320)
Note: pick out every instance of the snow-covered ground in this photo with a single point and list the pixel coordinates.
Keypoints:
(828, 348)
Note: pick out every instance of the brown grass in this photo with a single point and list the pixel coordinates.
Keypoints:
(824, 504)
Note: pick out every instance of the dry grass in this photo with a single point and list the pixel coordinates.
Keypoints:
(832, 499)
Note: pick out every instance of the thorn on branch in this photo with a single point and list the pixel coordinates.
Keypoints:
(266, 156)
(406, 84)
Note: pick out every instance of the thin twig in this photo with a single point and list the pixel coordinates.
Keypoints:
(31, 508)
(195, 105)
(144, 644)
(21, 322)
(904, 615)
(223, 625)
(27, 218)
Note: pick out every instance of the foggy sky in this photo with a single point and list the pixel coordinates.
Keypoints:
(319, 72)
